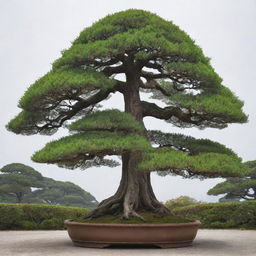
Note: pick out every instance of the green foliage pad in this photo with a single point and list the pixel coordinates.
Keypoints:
(206, 164)
(88, 144)
(109, 120)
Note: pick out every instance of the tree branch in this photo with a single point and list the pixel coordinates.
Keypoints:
(108, 71)
(150, 75)
(153, 84)
(175, 77)
(80, 105)
(151, 109)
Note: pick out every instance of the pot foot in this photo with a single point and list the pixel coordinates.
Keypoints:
(173, 245)
(91, 245)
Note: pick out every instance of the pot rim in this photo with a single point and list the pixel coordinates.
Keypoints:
(75, 223)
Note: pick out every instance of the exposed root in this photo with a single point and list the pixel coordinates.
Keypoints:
(162, 210)
(127, 216)
(112, 205)
(133, 195)
(135, 214)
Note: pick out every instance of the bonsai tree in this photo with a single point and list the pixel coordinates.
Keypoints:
(62, 193)
(181, 201)
(131, 52)
(16, 181)
(236, 189)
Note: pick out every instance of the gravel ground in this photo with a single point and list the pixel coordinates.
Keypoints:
(57, 243)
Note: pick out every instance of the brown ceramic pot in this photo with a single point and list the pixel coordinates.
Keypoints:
(104, 235)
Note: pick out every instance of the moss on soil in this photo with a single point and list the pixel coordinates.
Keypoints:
(150, 218)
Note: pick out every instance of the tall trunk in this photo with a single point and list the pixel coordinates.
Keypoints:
(135, 191)
(139, 195)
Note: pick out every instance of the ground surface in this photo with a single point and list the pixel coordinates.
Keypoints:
(57, 243)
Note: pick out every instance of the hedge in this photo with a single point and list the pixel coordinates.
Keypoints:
(37, 216)
(222, 215)
(41, 216)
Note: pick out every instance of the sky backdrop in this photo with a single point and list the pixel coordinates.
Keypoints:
(33, 33)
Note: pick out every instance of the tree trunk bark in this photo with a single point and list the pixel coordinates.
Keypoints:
(135, 192)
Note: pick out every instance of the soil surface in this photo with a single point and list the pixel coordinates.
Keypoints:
(149, 218)
(57, 243)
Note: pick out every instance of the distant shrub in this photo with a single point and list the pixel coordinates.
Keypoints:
(37, 216)
(222, 215)
(181, 202)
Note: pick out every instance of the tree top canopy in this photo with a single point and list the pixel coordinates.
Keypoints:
(154, 56)
(168, 63)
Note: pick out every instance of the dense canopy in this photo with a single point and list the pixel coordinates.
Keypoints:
(131, 52)
(85, 75)
(74, 150)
